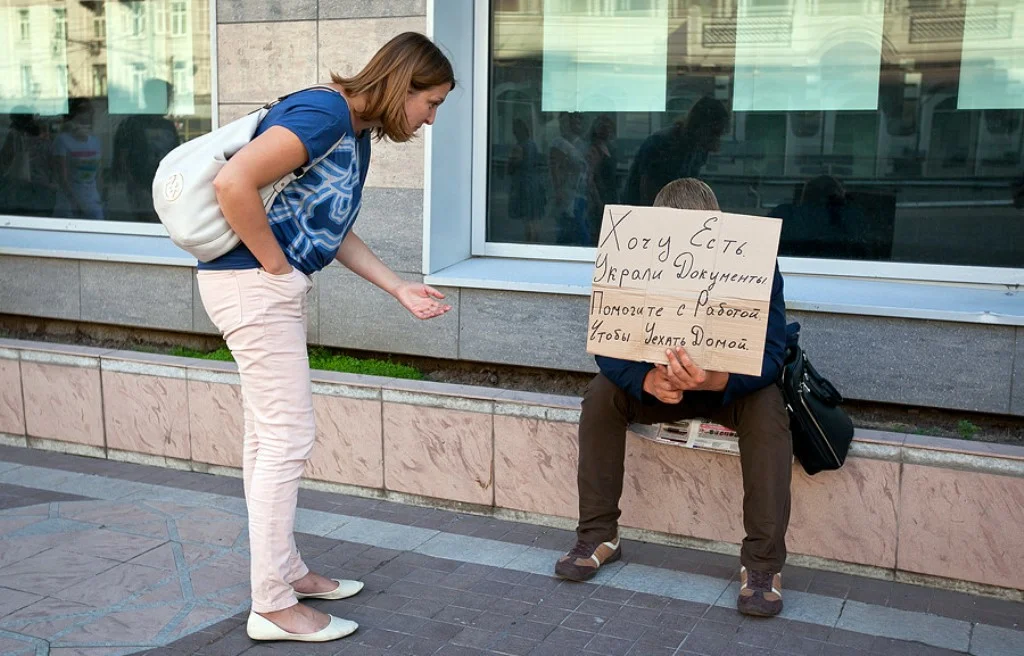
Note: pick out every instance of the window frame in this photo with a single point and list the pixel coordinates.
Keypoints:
(24, 25)
(179, 18)
(480, 247)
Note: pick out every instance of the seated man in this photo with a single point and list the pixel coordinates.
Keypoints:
(637, 392)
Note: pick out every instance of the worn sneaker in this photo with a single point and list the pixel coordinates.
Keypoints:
(760, 593)
(583, 560)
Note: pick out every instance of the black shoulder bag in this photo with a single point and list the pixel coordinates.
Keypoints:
(821, 430)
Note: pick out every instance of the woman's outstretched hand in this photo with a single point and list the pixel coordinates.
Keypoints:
(423, 301)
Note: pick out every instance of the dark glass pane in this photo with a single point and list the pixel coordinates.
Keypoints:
(874, 131)
(92, 96)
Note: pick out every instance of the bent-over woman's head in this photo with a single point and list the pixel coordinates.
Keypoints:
(401, 86)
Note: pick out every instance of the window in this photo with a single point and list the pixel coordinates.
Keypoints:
(160, 18)
(101, 98)
(895, 140)
(138, 82)
(62, 80)
(99, 80)
(137, 18)
(28, 87)
(24, 26)
(182, 77)
(179, 18)
(60, 24)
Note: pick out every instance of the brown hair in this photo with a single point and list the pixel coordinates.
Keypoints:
(687, 194)
(408, 62)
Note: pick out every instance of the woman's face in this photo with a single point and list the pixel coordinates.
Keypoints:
(421, 106)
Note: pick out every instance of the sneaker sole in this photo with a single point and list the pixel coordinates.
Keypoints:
(586, 577)
(750, 612)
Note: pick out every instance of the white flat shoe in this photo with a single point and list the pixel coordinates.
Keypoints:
(344, 590)
(260, 628)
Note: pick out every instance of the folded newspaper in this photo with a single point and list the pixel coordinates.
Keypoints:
(691, 433)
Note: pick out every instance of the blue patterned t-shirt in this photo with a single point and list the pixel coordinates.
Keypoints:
(311, 217)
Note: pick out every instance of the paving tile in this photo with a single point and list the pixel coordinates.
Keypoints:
(643, 616)
(622, 628)
(568, 639)
(403, 623)
(457, 615)
(711, 626)
(111, 545)
(491, 621)
(794, 644)
(51, 571)
(132, 626)
(532, 630)
(439, 630)
(474, 637)
(904, 625)
(563, 599)
(419, 646)
(994, 641)
(114, 585)
(650, 650)
(14, 600)
(608, 645)
(584, 622)
(514, 646)
(547, 615)
(423, 607)
(706, 644)
(662, 637)
(18, 549)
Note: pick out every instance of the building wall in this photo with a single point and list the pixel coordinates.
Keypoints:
(265, 49)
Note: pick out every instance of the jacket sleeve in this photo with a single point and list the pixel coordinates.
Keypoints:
(626, 374)
(774, 349)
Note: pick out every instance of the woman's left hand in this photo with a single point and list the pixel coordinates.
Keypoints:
(423, 301)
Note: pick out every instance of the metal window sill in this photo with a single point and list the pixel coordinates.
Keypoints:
(984, 304)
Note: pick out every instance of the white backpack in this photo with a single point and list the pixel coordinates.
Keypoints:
(183, 193)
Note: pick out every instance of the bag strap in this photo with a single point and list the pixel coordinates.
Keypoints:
(827, 389)
(287, 95)
(302, 170)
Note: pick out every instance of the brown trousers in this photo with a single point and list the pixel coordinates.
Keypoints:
(766, 454)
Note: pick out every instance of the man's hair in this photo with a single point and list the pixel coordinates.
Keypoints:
(687, 194)
(408, 62)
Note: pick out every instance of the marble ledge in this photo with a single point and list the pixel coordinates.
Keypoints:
(142, 369)
(61, 359)
(43, 349)
(206, 376)
(970, 462)
(463, 404)
(346, 391)
(524, 411)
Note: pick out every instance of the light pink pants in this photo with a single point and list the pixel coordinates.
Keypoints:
(263, 319)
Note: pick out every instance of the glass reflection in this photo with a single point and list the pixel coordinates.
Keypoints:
(92, 95)
(875, 130)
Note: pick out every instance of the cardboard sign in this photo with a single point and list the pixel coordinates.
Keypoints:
(701, 280)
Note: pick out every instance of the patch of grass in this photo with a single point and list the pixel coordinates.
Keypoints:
(321, 358)
(967, 429)
(222, 354)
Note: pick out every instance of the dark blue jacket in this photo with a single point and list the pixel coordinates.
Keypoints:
(630, 375)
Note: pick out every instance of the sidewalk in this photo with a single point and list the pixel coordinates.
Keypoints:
(102, 558)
